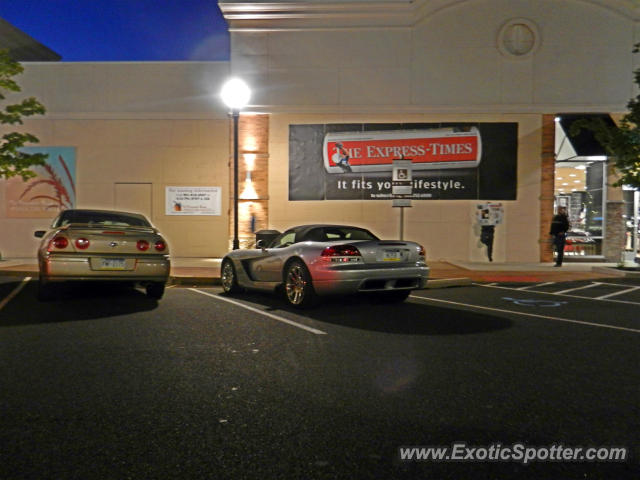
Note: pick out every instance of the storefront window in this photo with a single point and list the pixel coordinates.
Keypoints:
(580, 187)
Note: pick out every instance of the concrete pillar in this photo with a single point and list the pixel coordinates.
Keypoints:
(615, 230)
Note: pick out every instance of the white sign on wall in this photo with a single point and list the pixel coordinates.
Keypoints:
(490, 213)
(193, 200)
(401, 183)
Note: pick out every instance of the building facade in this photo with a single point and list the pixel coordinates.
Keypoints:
(387, 79)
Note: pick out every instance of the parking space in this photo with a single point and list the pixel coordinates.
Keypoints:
(615, 291)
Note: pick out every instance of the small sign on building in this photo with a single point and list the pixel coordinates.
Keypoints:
(193, 201)
(401, 182)
(491, 213)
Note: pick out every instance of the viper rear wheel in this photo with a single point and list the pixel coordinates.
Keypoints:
(298, 287)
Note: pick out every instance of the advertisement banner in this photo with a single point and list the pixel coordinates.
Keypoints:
(193, 201)
(449, 161)
(52, 190)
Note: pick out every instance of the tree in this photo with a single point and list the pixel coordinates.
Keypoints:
(13, 162)
(621, 142)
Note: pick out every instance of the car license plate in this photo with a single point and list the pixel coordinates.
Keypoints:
(112, 264)
(392, 256)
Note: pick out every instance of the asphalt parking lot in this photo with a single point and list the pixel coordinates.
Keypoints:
(106, 383)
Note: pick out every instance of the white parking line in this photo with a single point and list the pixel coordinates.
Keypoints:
(14, 292)
(626, 302)
(534, 285)
(562, 292)
(617, 293)
(261, 312)
(546, 317)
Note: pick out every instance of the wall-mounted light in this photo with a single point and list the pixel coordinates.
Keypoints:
(249, 191)
(250, 144)
(250, 161)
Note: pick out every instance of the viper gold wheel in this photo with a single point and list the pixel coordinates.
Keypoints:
(298, 287)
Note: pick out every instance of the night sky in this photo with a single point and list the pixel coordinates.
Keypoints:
(123, 30)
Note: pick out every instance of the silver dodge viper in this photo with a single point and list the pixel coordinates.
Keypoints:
(315, 260)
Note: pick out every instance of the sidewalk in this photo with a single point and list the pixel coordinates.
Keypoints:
(206, 271)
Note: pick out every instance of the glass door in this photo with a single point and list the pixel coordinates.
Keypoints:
(581, 188)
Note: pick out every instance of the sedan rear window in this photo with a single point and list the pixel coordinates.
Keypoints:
(115, 219)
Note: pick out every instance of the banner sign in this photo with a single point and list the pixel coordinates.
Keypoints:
(428, 149)
(193, 201)
(448, 161)
(52, 190)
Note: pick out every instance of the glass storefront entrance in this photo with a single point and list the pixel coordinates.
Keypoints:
(580, 186)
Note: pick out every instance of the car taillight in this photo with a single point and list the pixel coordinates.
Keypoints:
(160, 246)
(59, 242)
(421, 251)
(82, 243)
(341, 251)
(142, 245)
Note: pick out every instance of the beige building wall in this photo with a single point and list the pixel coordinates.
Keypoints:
(137, 129)
(432, 61)
(468, 56)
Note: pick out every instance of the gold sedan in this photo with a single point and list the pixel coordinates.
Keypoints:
(102, 245)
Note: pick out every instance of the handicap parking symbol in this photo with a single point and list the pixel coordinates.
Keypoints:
(531, 302)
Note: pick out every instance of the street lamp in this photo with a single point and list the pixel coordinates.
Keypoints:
(235, 94)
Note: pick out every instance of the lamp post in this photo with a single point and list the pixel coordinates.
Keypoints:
(235, 94)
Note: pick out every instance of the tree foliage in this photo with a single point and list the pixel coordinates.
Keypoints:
(13, 162)
(622, 142)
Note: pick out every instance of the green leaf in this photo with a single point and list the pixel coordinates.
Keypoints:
(14, 162)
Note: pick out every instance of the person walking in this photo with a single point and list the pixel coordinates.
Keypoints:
(559, 229)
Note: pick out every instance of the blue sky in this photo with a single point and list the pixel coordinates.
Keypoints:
(123, 30)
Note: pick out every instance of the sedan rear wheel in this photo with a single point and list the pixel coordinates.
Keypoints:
(155, 290)
(298, 288)
(228, 278)
(45, 291)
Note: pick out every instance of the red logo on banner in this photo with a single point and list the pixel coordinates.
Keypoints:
(375, 151)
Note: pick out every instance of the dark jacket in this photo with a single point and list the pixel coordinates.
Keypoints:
(559, 224)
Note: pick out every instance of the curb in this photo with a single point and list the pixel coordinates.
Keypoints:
(20, 273)
(193, 281)
(212, 281)
(448, 282)
(180, 281)
(618, 272)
